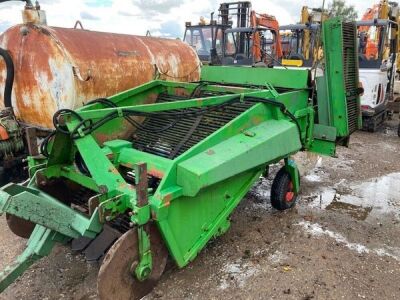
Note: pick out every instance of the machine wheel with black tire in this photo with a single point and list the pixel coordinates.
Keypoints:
(282, 192)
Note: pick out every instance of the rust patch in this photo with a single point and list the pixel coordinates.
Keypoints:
(127, 165)
(256, 120)
(156, 173)
(141, 185)
(180, 91)
(167, 199)
(113, 170)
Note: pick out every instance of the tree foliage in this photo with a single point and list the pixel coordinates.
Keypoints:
(338, 8)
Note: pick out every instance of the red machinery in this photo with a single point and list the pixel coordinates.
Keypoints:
(240, 36)
(269, 22)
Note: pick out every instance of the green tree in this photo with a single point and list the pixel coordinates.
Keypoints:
(338, 8)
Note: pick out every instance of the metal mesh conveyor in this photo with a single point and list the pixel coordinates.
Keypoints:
(350, 75)
(187, 131)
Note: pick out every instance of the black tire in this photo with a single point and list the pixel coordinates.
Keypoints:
(282, 189)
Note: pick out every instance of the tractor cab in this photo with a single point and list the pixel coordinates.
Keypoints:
(204, 37)
(376, 43)
(251, 46)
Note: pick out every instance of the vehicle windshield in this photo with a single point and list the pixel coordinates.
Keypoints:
(200, 38)
(238, 43)
(373, 45)
(299, 44)
(256, 45)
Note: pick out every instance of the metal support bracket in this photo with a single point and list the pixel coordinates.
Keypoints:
(31, 140)
(109, 209)
(293, 170)
(145, 265)
(39, 245)
(30, 204)
(141, 213)
(35, 164)
(272, 90)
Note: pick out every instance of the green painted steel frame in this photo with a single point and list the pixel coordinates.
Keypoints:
(278, 78)
(200, 188)
(273, 135)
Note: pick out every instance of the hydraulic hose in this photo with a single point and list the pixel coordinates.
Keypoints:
(10, 77)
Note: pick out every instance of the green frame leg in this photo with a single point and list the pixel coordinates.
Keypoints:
(39, 245)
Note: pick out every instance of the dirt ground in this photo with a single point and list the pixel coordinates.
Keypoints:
(342, 241)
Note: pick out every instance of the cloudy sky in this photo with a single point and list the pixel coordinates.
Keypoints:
(161, 17)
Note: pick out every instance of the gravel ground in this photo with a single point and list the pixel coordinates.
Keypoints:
(341, 241)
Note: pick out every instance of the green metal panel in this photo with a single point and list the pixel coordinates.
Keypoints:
(341, 78)
(185, 232)
(249, 149)
(326, 133)
(279, 78)
(172, 208)
(334, 73)
(323, 147)
(324, 106)
(156, 165)
(31, 204)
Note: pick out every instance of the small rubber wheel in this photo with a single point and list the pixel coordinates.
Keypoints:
(282, 192)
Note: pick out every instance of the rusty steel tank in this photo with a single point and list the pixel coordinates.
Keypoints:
(59, 68)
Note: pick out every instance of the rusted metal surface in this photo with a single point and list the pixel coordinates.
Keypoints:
(141, 184)
(20, 227)
(31, 141)
(34, 16)
(64, 68)
(116, 279)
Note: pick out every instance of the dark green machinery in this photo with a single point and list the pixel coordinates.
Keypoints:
(158, 169)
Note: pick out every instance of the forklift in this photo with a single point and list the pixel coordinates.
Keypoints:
(240, 36)
(206, 37)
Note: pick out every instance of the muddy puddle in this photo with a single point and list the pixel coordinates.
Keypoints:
(360, 200)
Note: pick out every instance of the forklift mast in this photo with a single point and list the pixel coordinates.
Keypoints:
(235, 10)
(237, 15)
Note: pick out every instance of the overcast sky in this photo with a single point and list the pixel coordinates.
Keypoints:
(161, 17)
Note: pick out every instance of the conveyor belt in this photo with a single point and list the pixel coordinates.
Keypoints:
(173, 142)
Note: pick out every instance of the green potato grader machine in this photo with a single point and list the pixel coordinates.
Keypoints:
(157, 170)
